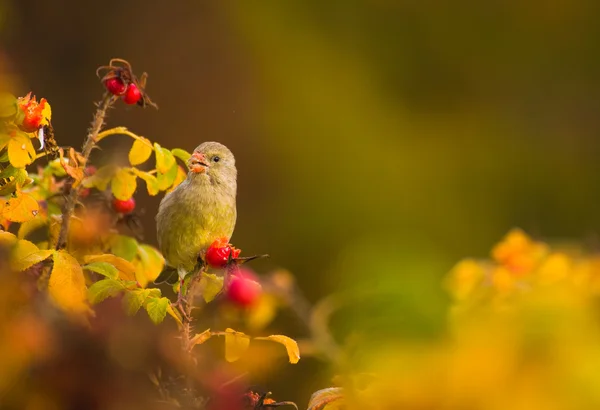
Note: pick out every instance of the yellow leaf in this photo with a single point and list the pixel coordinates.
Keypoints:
(21, 208)
(101, 178)
(174, 314)
(125, 268)
(20, 150)
(262, 312)
(236, 343)
(123, 184)
(30, 226)
(290, 345)
(140, 151)
(25, 254)
(46, 112)
(151, 181)
(67, 283)
(164, 159)
(7, 238)
(150, 265)
(200, 338)
(320, 399)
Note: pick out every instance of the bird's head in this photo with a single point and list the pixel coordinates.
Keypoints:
(212, 163)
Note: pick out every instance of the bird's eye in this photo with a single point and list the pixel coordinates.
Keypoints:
(216, 159)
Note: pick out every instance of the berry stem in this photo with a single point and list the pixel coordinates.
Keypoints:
(71, 192)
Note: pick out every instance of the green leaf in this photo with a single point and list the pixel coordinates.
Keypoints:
(181, 154)
(210, 286)
(104, 269)
(123, 184)
(157, 309)
(107, 288)
(140, 151)
(165, 181)
(124, 247)
(151, 181)
(137, 298)
(164, 159)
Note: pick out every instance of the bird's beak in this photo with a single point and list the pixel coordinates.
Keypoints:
(197, 163)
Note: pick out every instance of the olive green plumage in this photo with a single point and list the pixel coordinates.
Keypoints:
(201, 209)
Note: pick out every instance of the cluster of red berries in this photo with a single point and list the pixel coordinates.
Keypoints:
(129, 93)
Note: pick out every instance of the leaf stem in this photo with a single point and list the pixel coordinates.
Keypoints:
(89, 144)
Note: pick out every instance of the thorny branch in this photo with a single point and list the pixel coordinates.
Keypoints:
(71, 192)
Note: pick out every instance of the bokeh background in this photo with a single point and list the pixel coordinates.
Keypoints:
(377, 142)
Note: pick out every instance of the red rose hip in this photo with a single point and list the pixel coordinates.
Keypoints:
(217, 254)
(132, 95)
(242, 290)
(124, 207)
(115, 86)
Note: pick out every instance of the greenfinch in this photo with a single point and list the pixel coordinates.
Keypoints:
(200, 210)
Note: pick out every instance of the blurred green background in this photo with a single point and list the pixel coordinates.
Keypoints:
(376, 141)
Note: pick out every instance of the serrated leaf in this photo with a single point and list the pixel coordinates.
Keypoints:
(21, 208)
(25, 254)
(124, 247)
(236, 343)
(157, 309)
(125, 268)
(104, 269)
(210, 286)
(150, 264)
(123, 184)
(322, 398)
(200, 338)
(165, 181)
(164, 159)
(20, 150)
(150, 180)
(137, 298)
(67, 283)
(181, 154)
(107, 288)
(140, 151)
(101, 178)
(291, 346)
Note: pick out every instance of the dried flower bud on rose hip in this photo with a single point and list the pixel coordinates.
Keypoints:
(115, 86)
(217, 254)
(243, 290)
(124, 207)
(132, 95)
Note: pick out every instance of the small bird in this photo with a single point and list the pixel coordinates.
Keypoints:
(200, 210)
